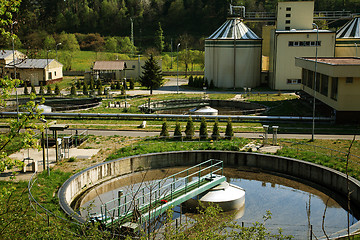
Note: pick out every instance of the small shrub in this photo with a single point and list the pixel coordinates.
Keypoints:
(41, 92)
(73, 90)
(191, 81)
(203, 133)
(33, 89)
(189, 130)
(132, 84)
(57, 90)
(164, 130)
(177, 132)
(118, 85)
(48, 90)
(212, 85)
(216, 132)
(85, 89)
(229, 132)
(72, 159)
(26, 91)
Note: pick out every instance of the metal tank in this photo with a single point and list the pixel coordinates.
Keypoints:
(348, 39)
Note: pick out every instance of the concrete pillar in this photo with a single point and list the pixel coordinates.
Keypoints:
(275, 129)
(266, 129)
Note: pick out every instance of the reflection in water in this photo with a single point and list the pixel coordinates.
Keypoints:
(294, 206)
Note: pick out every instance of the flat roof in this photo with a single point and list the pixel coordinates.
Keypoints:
(338, 61)
(303, 31)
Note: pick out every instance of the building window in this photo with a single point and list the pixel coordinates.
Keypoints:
(288, 15)
(287, 28)
(318, 77)
(55, 73)
(49, 76)
(293, 81)
(291, 43)
(324, 85)
(349, 80)
(303, 43)
(334, 88)
(310, 79)
(288, 9)
(133, 66)
(287, 21)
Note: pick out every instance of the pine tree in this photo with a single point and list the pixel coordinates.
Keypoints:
(73, 90)
(164, 130)
(216, 133)
(159, 39)
(100, 89)
(203, 134)
(189, 130)
(132, 84)
(118, 85)
(91, 84)
(229, 133)
(177, 131)
(191, 81)
(26, 91)
(41, 92)
(152, 76)
(48, 90)
(57, 90)
(122, 89)
(78, 84)
(33, 89)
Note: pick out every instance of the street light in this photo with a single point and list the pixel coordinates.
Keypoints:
(56, 50)
(13, 49)
(177, 65)
(316, 56)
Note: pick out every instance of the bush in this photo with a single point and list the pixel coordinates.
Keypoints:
(33, 89)
(78, 84)
(132, 84)
(26, 91)
(191, 81)
(100, 89)
(203, 134)
(73, 90)
(189, 130)
(122, 89)
(48, 90)
(177, 132)
(229, 133)
(212, 85)
(41, 92)
(57, 90)
(85, 89)
(216, 133)
(164, 130)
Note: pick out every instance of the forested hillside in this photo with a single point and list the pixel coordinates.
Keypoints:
(196, 18)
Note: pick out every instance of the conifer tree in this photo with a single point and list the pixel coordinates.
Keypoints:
(41, 92)
(177, 131)
(164, 130)
(57, 90)
(73, 90)
(189, 130)
(118, 85)
(216, 133)
(203, 133)
(132, 84)
(33, 89)
(26, 91)
(191, 81)
(85, 89)
(152, 76)
(159, 39)
(229, 133)
(100, 89)
(48, 90)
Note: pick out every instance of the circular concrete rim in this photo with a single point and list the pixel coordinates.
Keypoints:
(65, 205)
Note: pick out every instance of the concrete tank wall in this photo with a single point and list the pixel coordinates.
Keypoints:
(322, 177)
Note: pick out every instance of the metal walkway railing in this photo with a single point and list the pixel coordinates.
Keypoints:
(151, 201)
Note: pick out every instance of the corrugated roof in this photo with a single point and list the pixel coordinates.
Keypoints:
(234, 28)
(31, 63)
(108, 65)
(5, 53)
(350, 29)
(335, 60)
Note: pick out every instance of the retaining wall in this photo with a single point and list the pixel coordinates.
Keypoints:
(322, 177)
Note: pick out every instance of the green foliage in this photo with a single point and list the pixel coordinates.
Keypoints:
(152, 76)
(7, 11)
(122, 90)
(216, 132)
(100, 88)
(132, 84)
(229, 132)
(212, 85)
(189, 129)
(164, 130)
(203, 133)
(57, 89)
(118, 85)
(177, 131)
(26, 91)
(191, 81)
(90, 42)
(73, 90)
(69, 42)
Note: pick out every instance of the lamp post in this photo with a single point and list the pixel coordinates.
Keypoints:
(13, 50)
(57, 49)
(177, 65)
(316, 56)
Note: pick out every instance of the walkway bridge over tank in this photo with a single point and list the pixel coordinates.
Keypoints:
(318, 15)
(148, 202)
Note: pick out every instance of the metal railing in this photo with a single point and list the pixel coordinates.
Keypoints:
(159, 192)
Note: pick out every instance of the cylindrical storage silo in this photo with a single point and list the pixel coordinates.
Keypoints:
(233, 56)
(348, 39)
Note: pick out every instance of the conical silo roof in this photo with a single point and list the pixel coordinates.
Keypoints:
(234, 28)
(350, 29)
